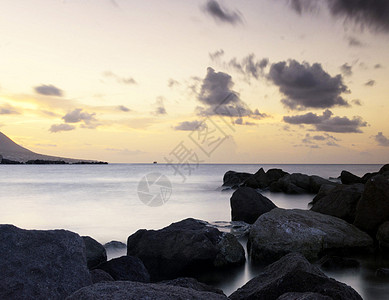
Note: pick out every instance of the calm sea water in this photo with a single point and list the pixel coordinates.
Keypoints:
(102, 201)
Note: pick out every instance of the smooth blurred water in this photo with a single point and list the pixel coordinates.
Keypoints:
(102, 201)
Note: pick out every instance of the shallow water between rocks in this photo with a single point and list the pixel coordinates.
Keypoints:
(102, 201)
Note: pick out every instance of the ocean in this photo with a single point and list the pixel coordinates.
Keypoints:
(111, 202)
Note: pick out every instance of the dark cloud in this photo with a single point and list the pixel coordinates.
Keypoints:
(78, 115)
(240, 121)
(327, 139)
(370, 82)
(326, 122)
(373, 14)
(7, 109)
(219, 98)
(354, 42)
(160, 107)
(357, 102)
(378, 66)
(48, 90)
(61, 127)
(346, 69)
(189, 125)
(249, 66)
(121, 80)
(307, 86)
(381, 139)
(123, 108)
(222, 14)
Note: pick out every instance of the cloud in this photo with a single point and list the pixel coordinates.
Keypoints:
(61, 127)
(249, 66)
(357, 102)
(7, 109)
(160, 107)
(121, 80)
(172, 83)
(381, 139)
(239, 121)
(189, 125)
(373, 14)
(370, 82)
(307, 86)
(354, 42)
(378, 66)
(327, 139)
(219, 13)
(216, 55)
(326, 122)
(78, 115)
(48, 90)
(123, 108)
(219, 98)
(346, 69)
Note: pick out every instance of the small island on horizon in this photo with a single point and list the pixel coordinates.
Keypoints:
(11, 154)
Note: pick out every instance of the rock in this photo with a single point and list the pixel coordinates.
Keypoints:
(293, 273)
(258, 180)
(324, 190)
(193, 284)
(334, 263)
(40, 264)
(303, 296)
(183, 247)
(383, 235)
(98, 275)
(349, 178)
(373, 208)
(126, 268)
(115, 245)
(247, 205)
(382, 272)
(232, 178)
(274, 175)
(340, 202)
(128, 290)
(312, 234)
(298, 183)
(316, 182)
(384, 169)
(95, 252)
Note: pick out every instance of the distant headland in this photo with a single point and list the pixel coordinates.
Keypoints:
(12, 153)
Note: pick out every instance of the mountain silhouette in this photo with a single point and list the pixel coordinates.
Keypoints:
(12, 151)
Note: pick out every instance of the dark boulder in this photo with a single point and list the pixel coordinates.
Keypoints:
(316, 182)
(348, 178)
(384, 169)
(126, 268)
(334, 263)
(183, 247)
(283, 231)
(274, 175)
(115, 245)
(247, 205)
(340, 202)
(39, 264)
(382, 272)
(193, 284)
(324, 190)
(258, 180)
(98, 275)
(128, 290)
(373, 208)
(232, 178)
(95, 252)
(298, 183)
(383, 235)
(293, 273)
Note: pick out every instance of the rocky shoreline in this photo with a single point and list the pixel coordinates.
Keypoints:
(349, 215)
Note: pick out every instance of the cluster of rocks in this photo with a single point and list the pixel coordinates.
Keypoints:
(59, 264)
(276, 180)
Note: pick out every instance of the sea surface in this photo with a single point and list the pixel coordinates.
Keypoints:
(111, 202)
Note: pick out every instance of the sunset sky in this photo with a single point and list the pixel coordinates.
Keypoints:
(264, 81)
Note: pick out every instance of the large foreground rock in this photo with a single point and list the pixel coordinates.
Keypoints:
(373, 208)
(383, 235)
(183, 247)
(193, 284)
(340, 202)
(247, 205)
(37, 264)
(127, 290)
(293, 274)
(95, 252)
(282, 231)
(126, 268)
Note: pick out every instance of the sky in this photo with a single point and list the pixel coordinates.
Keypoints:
(264, 81)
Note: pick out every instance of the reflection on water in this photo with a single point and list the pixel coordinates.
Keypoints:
(101, 201)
